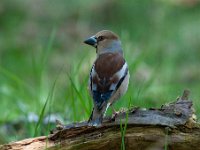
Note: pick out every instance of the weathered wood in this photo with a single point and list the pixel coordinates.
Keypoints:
(173, 126)
(38, 143)
(137, 137)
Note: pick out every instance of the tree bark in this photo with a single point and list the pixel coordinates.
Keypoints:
(173, 126)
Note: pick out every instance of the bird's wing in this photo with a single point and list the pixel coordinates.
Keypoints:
(106, 76)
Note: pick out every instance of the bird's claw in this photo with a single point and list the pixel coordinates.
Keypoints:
(114, 115)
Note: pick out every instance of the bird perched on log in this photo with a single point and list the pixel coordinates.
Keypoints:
(109, 75)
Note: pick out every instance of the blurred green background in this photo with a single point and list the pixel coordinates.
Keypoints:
(44, 65)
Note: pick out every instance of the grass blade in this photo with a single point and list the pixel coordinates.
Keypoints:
(79, 95)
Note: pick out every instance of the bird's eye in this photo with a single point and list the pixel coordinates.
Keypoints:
(100, 38)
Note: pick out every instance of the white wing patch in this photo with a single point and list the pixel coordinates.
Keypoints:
(119, 75)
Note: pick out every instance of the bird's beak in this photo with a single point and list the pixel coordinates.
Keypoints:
(91, 41)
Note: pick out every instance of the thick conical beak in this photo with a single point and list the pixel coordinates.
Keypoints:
(91, 41)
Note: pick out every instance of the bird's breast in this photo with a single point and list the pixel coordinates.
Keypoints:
(108, 64)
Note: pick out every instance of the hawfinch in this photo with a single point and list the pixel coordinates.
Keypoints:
(109, 75)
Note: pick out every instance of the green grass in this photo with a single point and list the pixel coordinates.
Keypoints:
(50, 94)
(123, 128)
(41, 44)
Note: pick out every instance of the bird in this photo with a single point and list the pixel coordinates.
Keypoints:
(109, 75)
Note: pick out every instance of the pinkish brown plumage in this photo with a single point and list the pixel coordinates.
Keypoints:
(105, 68)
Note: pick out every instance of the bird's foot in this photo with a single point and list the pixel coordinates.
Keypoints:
(114, 115)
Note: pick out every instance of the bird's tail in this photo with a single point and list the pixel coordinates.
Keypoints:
(96, 118)
(97, 115)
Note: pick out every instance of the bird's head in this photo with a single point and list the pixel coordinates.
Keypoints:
(105, 41)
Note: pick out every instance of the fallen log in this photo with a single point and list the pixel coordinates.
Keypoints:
(172, 126)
